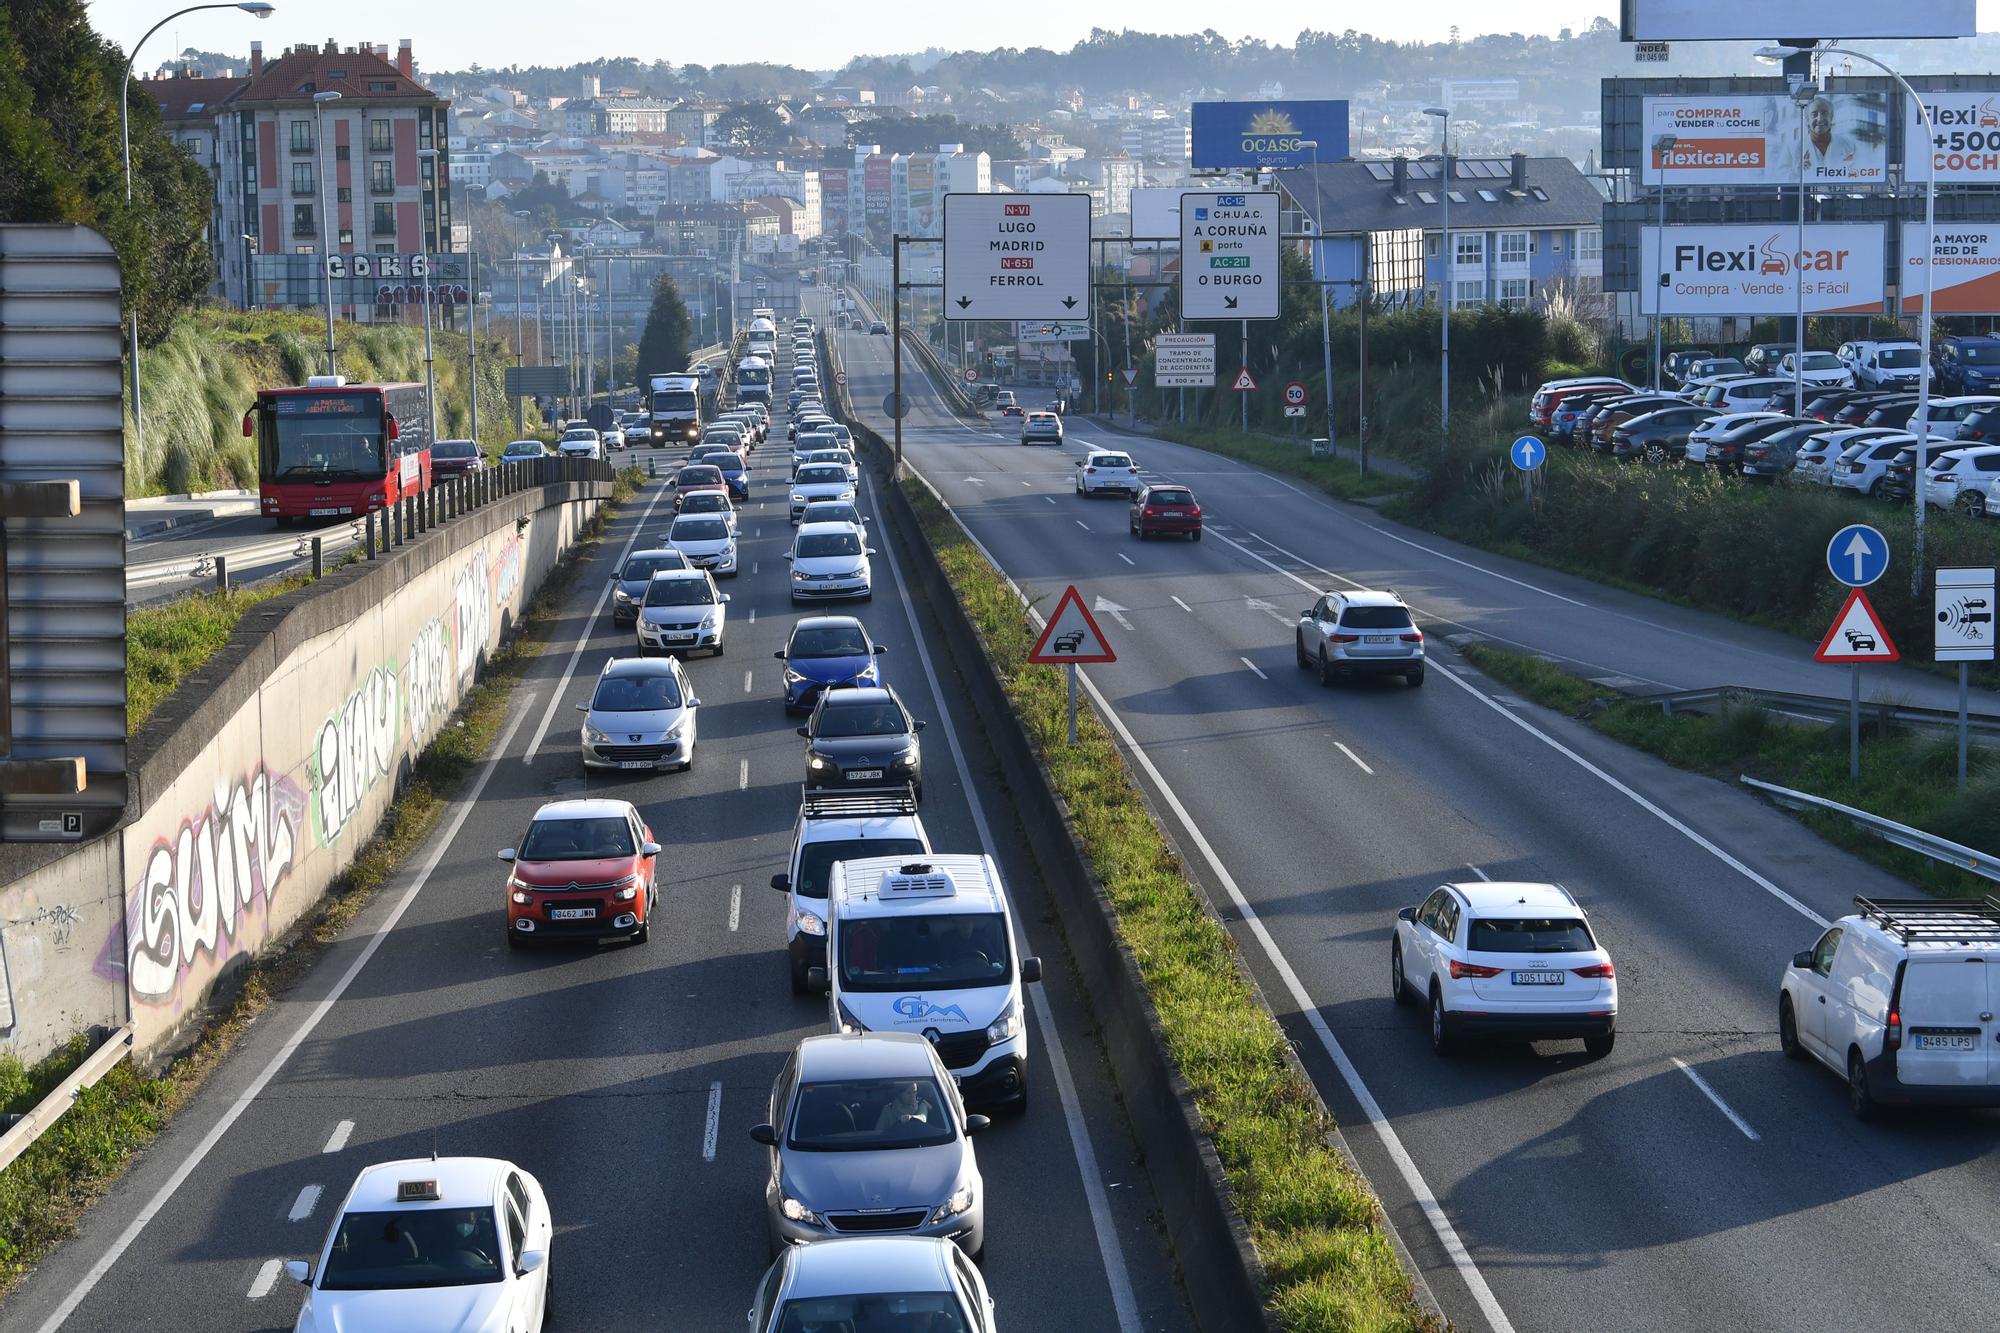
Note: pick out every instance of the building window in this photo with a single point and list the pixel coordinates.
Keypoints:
(424, 131)
(1468, 293)
(382, 176)
(1514, 293)
(385, 220)
(1513, 247)
(302, 136)
(1469, 249)
(302, 219)
(340, 152)
(302, 178)
(380, 138)
(347, 235)
(343, 195)
(1589, 245)
(382, 86)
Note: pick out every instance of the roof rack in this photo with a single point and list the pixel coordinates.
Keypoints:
(1936, 920)
(858, 802)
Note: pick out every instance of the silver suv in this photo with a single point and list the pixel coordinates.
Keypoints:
(1347, 634)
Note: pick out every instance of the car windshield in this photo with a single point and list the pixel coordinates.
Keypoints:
(525, 448)
(1821, 361)
(821, 473)
(729, 465)
(932, 952)
(1170, 498)
(706, 502)
(637, 694)
(577, 839)
(828, 641)
(700, 528)
(675, 401)
(1979, 356)
(1375, 617)
(817, 545)
(454, 449)
(1900, 358)
(641, 568)
(1111, 460)
(817, 860)
(699, 476)
(870, 1114)
(888, 1312)
(1529, 935)
(415, 1247)
(569, 435)
(845, 718)
(831, 511)
(679, 592)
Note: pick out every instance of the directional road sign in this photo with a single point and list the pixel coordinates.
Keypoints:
(1295, 409)
(1229, 255)
(1295, 394)
(1071, 636)
(1858, 555)
(1244, 383)
(1964, 606)
(1017, 256)
(1857, 635)
(1527, 453)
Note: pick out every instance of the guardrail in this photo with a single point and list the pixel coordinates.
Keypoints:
(1902, 835)
(1819, 707)
(51, 1108)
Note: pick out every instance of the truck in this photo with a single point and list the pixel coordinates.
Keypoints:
(753, 380)
(673, 407)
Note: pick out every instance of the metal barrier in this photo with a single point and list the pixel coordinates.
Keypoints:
(51, 1108)
(1902, 835)
(1819, 707)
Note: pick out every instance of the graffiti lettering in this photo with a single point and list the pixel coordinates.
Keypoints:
(427, 677)
(61, 920)
(475, 615)
(199, 888)
(357, 745)
(507, 574)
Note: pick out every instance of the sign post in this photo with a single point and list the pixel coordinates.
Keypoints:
(1071, 637)
(1964, 605)
(1527, 454)
(1857, 555)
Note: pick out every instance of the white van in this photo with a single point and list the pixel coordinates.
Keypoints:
(926, 945)
(1899, 998)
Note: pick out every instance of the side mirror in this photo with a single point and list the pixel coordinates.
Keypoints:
(1306, 614)
(881, 648)
(649, 849)
(789, 555)
(694, 703)
(1407, 914)
(868, 550)
(1031, 969)
(816, 978)
(722, 597)
(531, 1262)
(1803, 958)
(782, 883)
(975, 1123)
(583, 708)
(921, 725)
(507, 854)
(765, 1134)
(806, 732)
(780, 654)
(298, 1270)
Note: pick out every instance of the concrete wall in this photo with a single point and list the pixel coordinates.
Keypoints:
(259, 780)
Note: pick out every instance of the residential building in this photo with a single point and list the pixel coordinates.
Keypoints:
(691, 123)
(1158, 140)
(187, 112)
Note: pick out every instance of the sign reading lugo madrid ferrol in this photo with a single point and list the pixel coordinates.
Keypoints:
(1755, 270)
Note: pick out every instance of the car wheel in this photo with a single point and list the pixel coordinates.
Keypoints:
(1874, 491)
(1974, 503)
(1416, 679)
(1195, 535)
(1656, 453)
(1131, 527)
(1399, 985)
(798, 979)
(645, 930)
(1860, 1100)
(1299, 646)
(1599, 1047)
(718, 647)
(1788, 1030)
(1441, 1042)
(1325, 670)
(515, 939)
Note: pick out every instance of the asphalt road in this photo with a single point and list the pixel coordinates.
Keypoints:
(1691, 1179)
(625, 1077)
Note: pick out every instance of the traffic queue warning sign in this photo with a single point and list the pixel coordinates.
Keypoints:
(1014, 256)
(1858, 634)
(1229, 248)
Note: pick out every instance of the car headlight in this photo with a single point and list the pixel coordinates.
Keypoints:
(959, 1202)
(521, 899)
(907, 758)
(809, 924)
(1007, 1026)
(798, 497)
(621, 595)
(849, 1022)
(708, 621)
(818, 764)
(593, 736)
(798, 1212)
(793, 678)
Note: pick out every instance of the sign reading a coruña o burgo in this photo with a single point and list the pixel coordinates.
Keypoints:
(1738, 139)
(1963, 139)
(1229, 255)
(1753, 270)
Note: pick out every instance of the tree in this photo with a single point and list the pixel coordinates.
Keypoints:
(664, 344)
(752, 125)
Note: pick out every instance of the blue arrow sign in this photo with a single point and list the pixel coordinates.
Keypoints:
(1527, 453)
(1858, 555)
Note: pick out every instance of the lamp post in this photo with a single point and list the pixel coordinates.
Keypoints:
(472, 315)
(250, 249)
(325, 246)
(1444, 268)
(1662, 145)
(1922, 428)
(262, 11)
(429, 242)
(1325, 323)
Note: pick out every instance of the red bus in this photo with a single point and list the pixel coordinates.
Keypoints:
(336, 450)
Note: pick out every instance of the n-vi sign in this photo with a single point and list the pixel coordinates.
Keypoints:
(1858, 555)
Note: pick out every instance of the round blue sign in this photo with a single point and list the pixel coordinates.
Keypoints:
(1858, 555)
(1527, 453)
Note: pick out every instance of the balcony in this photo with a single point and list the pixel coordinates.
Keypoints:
(381, 144)
(304, 229)
(381, 228)
(380, 186)
(301, 149)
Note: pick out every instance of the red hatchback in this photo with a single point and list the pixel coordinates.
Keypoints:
(1165, 509)
(585, 871)
(698, 477)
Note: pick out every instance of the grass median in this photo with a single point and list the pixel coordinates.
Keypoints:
(1341, 478)
(1908, 775)
(1313, 1219)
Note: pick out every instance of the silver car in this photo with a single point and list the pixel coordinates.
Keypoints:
(1348, 634)
(641, 715)
(867, 1134)
(867, 1282)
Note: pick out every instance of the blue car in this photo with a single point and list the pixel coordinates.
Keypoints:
(735, 476)
(824, 652)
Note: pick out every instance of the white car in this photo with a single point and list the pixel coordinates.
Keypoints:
(707, 540)
(581, 444)
(1718, 426)
(1964, 478)
(819, 481)
(1863, 469)
(682, 611)
(830, 560)
(832, 455)
(1360, 633)
(457, 1243)
(1514, 961)
(1948, 415)
(709, 502)
(841, 1281)
(1819, 369)
(613, 437)
(1106, 471)
(1816, 461)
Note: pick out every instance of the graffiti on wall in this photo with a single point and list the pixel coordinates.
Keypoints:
(427, 676)
(475, 615)
(357, 748)
(507, 571)
(208, 889)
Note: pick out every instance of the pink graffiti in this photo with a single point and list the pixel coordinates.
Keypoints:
(199, 889)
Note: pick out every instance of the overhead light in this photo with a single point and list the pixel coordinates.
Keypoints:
(1778, 55)
(258, 7)
(1436, 111)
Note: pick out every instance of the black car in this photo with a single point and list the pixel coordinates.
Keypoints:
(628, 585)
(1897, 414)
(1829, 401)
(1980, 427)
(1856, 412)
(1657, 437)
(1674, 365)
(1773, 455)
(1763, 358)
(863, 737)
(1726, 450)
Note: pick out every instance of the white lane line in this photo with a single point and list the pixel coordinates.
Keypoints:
(747, 677)
(1081, 524)
(755, 565)
(201, 1150)
(1027, 484)
(1182, 605)
(267, 1278)
(1477, 871)
(303, 1205)
(1253, 666)
(753, 615)
(1341, 746)
(583, 638)
(1128, 559)
(1050, 498)
(1124, 1303)
(1716, 1097)
(743, 776)
(338, 1139)
(735, 905)
(713, 1123)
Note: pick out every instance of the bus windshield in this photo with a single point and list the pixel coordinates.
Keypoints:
(316, 436)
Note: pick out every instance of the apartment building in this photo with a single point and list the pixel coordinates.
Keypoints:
(187, 111)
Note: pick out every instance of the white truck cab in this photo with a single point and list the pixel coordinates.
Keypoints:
(927, 945)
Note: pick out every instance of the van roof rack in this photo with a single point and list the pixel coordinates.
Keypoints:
(1936, 920)
(858, 802)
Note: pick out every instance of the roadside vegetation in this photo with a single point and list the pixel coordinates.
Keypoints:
(1314, 1221)
(1341, 478)
(1907, 775)
(164, 643)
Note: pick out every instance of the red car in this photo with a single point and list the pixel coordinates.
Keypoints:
(698, 477)
(1165, 509)
(585, 871)
(455, 458)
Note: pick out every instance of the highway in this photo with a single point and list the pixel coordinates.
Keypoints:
(1693, 1178)
(625, 1077)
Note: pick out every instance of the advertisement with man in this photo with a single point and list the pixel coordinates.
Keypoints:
(1756, 140)
(1964, 139)
(1968, 269)
(1248, 136)
(1753, 270)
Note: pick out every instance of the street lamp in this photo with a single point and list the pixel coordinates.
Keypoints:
(1922, 429)
(262, 11)
(1444, 269)
(1319, 271)
(1662, 145)
(325, 246)
(429, 155)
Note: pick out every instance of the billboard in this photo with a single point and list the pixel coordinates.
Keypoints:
(1749, 139)
(833, 200)
(1964, 147)
(1706, 21)
(1751, 270)
(1240, 136)
(1968, 269)
(875, 189)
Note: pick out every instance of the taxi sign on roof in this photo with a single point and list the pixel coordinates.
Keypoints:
(1071, 636)
(1857, 634)
(417, 1191)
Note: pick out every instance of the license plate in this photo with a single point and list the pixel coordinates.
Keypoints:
(858, 774)
(635, 763)
(1538, 978)
(1377, 638)
(322, 513)
(1945, 1041)
(680, 638)
(572, 913)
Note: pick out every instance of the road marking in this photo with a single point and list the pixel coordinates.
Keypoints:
(746, 681)
(267, 1278)
(1477, 871)
(338, 1139)
(1182, 605)
(1081, 524)
(714, 1121)
(1355, 757)
(583, 638)
(1128, 559)
(743, 776)
(735, 905)
(1050, 498)
(1027, 484)
(1253, 666)
(754, 566)
(753, 615)
(201, 1150)
(303, 1205)
(1256, 604)
(1715, 1097)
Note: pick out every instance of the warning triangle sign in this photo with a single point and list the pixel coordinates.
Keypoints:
(1071, 635)
(1857, 634)
(1243, 381)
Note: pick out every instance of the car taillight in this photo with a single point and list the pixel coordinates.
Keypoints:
(1414, 636)
(1090, 469)
(1459, 971)
(1345, 638)
(1152, 511)
(1599, 970)
(1194, 511)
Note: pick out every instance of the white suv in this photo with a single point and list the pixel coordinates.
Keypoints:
(1347, 634)
(1512, 961)
(834, 826)
(1898, 997)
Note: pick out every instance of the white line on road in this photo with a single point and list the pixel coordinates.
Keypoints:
(266, 1279)
(743, 776)
(1050, 498)
(735, 905)
(303, 1206)
(1182, 605)
(713, 1123)
(109, 1259)
(1477, 871)
(1081, 524)
(1253, 666)
(1128, 559)
(747, 677)
(1027, 484)
(1715, 1097)
(338, 1139)
(753, 615)
(1340, 746)
(754, 566)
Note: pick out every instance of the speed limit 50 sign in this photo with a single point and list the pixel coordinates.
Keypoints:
(1295, 394)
